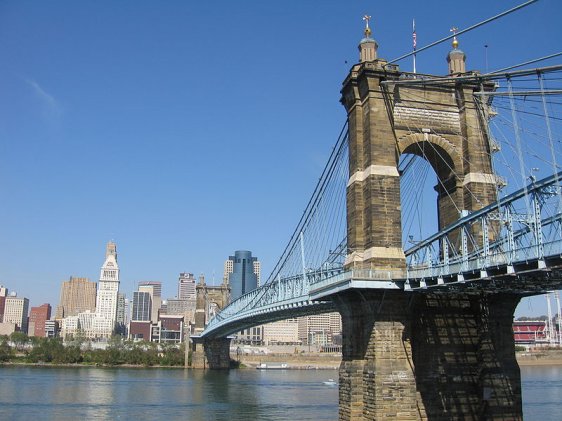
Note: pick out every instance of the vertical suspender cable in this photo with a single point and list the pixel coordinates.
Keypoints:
(518, 144)
(551, 143)
(302, 258)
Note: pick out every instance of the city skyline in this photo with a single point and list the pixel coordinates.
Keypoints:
(129, 122)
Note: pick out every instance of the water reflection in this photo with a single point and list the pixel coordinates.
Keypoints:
(103, 393)
(542, 393)
(176, 394)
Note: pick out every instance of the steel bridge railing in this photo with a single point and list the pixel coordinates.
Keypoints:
(502, 234)
(524, 226)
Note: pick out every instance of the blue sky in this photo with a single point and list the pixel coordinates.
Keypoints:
(186, 130)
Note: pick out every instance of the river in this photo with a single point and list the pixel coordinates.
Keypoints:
(51, 393)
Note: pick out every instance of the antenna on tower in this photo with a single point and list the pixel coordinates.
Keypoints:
(414, 41)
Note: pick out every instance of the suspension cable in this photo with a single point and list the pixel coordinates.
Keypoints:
(507, 12)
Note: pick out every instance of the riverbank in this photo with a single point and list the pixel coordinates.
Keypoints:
(539, 357)
(301, 361)
(83, 365)
(321, 361)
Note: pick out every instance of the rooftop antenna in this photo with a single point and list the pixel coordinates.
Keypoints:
(414, 41)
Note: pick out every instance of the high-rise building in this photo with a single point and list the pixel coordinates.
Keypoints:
(243, 273)
(154, 287)
(121, 314)
(142, 306)
(51, 328)
(77, 295)
(15, 311)
(285, 332)
(3, 294)
(38, 316)
(252, 336)
(319, 329)
(155, 291)
(257, 270)
(186, 286)
(169, 329)
(243, 277)
(108, 285)
(104, 322)
(181, 307)
(228, 268)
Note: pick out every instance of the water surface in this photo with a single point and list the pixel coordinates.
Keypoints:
(51, 393)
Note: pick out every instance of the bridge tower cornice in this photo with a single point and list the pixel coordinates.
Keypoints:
(364, 78)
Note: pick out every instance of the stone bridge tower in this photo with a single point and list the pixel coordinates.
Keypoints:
(419, 356)
(209, 300)
(213, 353)
(387, 118)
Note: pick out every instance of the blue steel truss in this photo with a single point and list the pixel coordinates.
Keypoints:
(508, 241)
(517, 233)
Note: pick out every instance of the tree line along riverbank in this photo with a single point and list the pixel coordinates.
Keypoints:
(19, 348)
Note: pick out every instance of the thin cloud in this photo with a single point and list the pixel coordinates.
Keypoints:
(51, 106)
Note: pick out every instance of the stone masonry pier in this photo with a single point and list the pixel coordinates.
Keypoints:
(210, 353)
(428, 357)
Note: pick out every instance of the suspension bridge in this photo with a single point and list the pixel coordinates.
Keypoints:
(426, 287)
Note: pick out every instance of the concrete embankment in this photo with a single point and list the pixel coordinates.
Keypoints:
(332, 361)
(295, 361)
(539, 357)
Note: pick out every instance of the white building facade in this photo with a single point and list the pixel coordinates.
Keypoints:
(283, 332)
(15, 311)
(103, 324)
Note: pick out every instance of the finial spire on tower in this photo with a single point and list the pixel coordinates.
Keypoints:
(454, 30)
(367, 18)
(368, 46)
(456, 58)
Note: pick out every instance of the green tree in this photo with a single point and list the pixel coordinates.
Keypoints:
(172, 354)
(70, 354)
(42, 350)
(115, 352)
(150, 354)
(134, 354)
(20, 340)
(6, 351)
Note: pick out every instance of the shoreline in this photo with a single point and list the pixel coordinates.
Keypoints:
(539, 357)
(295, 362)
(538, 361)
(80, 365)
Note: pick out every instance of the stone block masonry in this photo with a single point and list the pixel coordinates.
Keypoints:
(447, 356)
(210, 353)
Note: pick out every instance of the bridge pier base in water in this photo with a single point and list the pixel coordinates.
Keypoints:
(210, 353)
(439, 356)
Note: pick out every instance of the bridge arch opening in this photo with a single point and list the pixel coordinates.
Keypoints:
(425, 192)
(418, 198)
